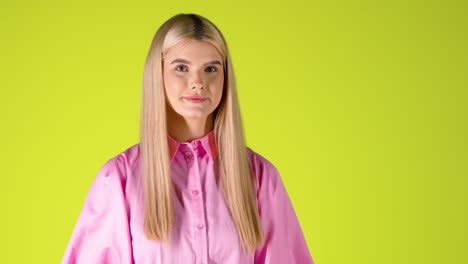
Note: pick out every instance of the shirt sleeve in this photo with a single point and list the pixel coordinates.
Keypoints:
(101, 233)
(284, 240)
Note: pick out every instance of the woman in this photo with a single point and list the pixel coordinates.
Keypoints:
(190, 191)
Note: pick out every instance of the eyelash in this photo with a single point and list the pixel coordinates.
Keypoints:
(178, 66)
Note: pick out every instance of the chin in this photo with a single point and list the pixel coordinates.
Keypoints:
(193, 116)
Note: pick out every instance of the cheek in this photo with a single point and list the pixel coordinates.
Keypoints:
(220, 85)
(172, 84)
(169, 79)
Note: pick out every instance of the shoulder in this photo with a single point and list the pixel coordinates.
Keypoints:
(130, 155)
(266, 174)
(121, 163)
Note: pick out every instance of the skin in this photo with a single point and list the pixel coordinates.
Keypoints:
(189, 69)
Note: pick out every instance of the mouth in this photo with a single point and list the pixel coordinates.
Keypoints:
(195, 99)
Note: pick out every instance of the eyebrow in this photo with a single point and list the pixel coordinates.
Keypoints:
(188, 62)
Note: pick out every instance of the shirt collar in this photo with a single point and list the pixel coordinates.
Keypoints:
(208, 142)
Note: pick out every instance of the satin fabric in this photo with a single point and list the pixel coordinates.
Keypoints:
(109, 228)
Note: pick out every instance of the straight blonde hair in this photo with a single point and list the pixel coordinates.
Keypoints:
(235, 171)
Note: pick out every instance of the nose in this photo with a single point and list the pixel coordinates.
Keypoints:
(197, 82)
(197, 86)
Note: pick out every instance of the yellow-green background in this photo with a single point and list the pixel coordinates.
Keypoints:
(361, 105)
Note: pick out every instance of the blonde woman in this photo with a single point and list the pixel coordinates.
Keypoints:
(190, 191)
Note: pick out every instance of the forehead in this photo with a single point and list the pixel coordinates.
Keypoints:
(193, 50)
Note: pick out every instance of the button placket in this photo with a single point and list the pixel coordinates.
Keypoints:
(195, 193)
(195, 146)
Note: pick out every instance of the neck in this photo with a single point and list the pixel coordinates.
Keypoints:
(186, 130)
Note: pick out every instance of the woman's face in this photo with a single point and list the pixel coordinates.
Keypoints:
(193, 68)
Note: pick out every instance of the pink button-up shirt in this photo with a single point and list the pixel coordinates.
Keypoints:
(110, 226)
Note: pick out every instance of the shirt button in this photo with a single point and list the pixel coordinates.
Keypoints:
(200, 226)
(195, 143)
(195, 192)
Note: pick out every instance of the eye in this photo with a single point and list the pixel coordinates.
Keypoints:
(181, 68)
(211, 69)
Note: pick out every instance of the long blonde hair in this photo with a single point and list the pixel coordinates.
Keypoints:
(235, 172)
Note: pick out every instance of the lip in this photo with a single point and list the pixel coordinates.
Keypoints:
(195, 99)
